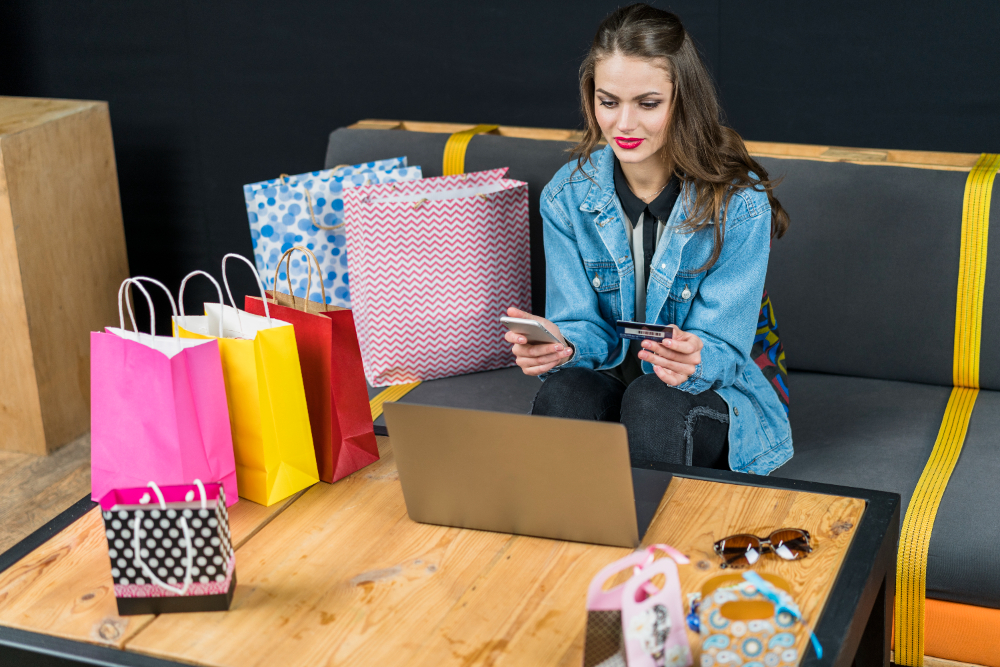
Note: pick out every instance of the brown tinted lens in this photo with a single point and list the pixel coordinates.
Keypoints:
(738, 550)
(790, 544)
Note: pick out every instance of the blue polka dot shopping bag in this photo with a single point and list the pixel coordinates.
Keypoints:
(308, 210)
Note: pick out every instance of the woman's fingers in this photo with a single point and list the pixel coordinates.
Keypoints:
(514, 312)
(663, 352)
(683, 342)
(671, 378)
(537, 356)
(679, 367)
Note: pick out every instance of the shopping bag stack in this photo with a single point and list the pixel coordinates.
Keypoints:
(170, 548)
(157, 407)
(271, 433)
(434, 264)
(308, 210)
(342, 430)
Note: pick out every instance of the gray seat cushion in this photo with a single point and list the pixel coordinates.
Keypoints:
(877, 434)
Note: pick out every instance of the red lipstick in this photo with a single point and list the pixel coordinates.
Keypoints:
(628, 143)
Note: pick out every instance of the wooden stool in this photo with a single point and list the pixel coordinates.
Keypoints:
(62, 258)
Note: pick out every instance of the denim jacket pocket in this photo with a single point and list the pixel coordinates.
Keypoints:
(682, 293)
(604, 280)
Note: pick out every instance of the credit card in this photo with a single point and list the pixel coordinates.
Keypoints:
(642, 331)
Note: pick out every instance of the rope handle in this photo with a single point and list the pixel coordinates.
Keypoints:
(199, 272)
(312, 213)
(260, 284)
(128, 304)
(189, 545)
(287, 258)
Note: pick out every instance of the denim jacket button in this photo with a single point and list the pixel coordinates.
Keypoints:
(596, 282)
(736, 411)
(686, 294)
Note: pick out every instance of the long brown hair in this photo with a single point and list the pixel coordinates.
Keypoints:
(703, 151)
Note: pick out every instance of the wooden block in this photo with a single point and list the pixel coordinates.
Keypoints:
(64, 588)
(62, 258)
(344, 577)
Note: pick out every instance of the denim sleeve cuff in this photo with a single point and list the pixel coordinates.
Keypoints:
(696, 383)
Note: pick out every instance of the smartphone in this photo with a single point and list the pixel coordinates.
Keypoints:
(530, 329)
(643, 331)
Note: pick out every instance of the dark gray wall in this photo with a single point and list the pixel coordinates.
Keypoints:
(207, 96)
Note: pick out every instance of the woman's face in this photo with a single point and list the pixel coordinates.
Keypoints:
(632, 105)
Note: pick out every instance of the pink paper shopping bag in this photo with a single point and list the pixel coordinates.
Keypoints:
(434, 264)
(157, 409)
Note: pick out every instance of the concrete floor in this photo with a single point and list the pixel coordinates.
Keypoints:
(34, 489)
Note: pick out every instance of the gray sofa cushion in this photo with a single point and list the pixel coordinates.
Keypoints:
(865, 281)
(877, 434)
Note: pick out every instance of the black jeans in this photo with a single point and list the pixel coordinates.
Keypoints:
(664, 424)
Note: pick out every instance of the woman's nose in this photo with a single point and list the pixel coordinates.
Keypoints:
(626, 120)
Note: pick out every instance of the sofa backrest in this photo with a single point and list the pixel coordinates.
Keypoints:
(864, 283)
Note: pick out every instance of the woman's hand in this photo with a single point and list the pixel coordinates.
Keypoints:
(537, 359)
(675, 359)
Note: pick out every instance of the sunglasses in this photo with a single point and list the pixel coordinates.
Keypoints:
(744, 550)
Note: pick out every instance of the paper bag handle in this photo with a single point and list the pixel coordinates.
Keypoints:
(312, 213)
(260, 284)
(137, 547)
(287, 258)
(128, 304)
(199, 272)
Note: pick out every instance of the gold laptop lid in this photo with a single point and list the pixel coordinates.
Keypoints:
(527, 475)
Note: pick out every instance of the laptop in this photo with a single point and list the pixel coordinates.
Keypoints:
(563, 479)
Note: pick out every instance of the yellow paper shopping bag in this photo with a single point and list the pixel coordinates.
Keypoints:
(267, 401)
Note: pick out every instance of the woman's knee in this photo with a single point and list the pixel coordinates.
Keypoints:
(648, 396)
(579, 393)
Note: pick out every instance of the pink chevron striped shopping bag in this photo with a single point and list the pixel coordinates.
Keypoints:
(434, 263)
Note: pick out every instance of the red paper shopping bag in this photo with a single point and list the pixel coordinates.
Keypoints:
(332, 372)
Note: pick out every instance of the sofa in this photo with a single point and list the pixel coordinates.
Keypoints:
(864, 289)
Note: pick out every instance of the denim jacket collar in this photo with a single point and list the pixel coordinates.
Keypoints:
(610, 221)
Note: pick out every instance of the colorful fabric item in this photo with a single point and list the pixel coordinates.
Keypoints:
(634, 624)
(768, 353)
(308, 209)
(734, 632)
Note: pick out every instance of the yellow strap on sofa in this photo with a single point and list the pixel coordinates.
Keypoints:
(393, 393)
(454, 150)
(915, 536)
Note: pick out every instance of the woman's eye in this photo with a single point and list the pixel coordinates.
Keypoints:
(650, 105)
(609, 104)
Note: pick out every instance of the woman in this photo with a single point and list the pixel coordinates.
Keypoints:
(669, 224)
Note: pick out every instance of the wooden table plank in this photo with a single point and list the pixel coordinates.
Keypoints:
(344, 577)
(64, 588)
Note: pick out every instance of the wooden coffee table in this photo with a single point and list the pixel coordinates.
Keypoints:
(340, 575)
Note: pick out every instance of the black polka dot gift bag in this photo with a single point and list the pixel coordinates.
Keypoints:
(170, 548)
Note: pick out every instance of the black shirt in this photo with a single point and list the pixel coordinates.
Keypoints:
(634, 207)
(655, 211)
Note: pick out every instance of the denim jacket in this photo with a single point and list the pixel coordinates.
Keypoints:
(590, 283)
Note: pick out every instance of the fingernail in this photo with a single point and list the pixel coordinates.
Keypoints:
(565, 353)
(558, 347)
(522, 341)
(668, 342)
(643, 354)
